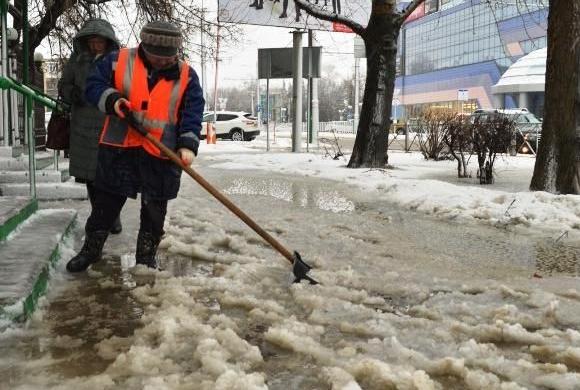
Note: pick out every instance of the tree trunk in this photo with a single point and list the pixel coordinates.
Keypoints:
(380, 37)
(556, 167)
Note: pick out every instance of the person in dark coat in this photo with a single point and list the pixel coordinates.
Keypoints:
(95, 39)
(164, 94)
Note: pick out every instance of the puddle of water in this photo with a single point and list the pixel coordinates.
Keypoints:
(470, 243)
(291, 191)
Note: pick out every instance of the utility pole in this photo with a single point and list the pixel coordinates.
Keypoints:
(297, 90)
(356, 88)
(202, 55)
(215, 83)
(309, 94)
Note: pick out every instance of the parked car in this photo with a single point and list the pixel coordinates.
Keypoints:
(234, 125)
(528, 127)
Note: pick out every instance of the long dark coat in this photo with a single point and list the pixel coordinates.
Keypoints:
(86, 120)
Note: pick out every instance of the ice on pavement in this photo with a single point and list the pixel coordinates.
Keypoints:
(391, 312)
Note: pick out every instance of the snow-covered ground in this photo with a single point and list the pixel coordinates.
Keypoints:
(427, 282)
(424, 186)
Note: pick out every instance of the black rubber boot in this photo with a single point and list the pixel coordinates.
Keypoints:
(117, 227)
(147, 245)
(90, 252)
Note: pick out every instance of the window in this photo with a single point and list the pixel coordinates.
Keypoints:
(532, 118)
(226, 117)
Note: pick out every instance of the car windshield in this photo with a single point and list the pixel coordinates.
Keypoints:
(532, 118)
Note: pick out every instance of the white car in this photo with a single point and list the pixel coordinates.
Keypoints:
(234, 125)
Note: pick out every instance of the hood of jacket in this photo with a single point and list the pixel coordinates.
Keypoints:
(92, 27)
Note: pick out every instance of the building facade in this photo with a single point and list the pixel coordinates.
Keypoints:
(452, 52)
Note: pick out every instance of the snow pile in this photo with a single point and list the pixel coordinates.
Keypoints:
(411, 186)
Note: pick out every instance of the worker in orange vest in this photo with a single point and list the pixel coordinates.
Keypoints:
(164, 94)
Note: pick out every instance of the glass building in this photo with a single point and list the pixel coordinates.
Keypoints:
(451, 53)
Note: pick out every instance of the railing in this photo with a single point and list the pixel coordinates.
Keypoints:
(45, 100)
(341, 127)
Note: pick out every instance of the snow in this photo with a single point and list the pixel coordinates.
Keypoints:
(408, 185)
(391, 311)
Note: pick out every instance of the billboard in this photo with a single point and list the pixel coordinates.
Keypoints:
(282, 13)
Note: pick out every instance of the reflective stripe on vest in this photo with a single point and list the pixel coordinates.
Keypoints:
(157, 109)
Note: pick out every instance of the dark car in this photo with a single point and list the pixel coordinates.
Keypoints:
(528, 127)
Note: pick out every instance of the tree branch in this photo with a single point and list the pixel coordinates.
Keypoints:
(410, 8)
(15, 12)
(48, 21)
(329, 16)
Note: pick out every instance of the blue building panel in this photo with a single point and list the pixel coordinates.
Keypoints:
(468, 46)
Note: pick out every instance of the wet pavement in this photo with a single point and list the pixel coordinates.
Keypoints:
(398, 261)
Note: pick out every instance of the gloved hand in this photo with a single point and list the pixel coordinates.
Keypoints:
(186, 155)
(119, 105)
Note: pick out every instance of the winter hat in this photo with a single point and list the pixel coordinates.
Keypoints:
(161, 39)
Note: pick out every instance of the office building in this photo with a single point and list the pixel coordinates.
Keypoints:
(453, 53)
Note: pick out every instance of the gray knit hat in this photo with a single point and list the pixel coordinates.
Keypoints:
(161, 39)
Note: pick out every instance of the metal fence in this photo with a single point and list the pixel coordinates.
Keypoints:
(341, 127)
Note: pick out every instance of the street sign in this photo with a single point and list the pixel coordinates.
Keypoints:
(463, 94)
(276, 63)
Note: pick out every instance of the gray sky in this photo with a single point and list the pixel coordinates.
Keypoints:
(238, 63)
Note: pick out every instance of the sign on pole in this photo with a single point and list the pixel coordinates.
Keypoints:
(284, 14)
(276, 63)
(463, 95)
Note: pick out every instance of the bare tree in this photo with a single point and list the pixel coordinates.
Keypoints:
(458, 141)
(433, 126)
(380, 38)
(557, 167)
(59, 20)
(490, 136)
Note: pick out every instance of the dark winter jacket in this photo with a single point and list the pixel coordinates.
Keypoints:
(126, 171)
(86, 120)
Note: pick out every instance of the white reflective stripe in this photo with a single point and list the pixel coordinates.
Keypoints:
(139, 115)
(103, 99)
(190, 135)
(127, 78)
(154, 123)
(172, 109)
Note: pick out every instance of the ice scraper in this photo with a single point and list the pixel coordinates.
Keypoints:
(299, 267)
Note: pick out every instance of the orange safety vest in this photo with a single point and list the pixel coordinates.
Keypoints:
(156, 109)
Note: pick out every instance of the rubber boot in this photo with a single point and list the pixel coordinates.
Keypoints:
(117, 227)
(147, 245)
(90, 252)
